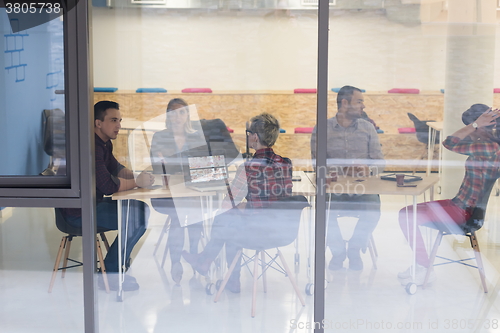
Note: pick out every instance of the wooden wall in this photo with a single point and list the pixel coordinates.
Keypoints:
(389, 111)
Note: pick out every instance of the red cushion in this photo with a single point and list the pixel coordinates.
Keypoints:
(496, 90)
(230, 130)
(303, 129)
(403, 91)
(406, 130)
(197, 90)
(304, 91)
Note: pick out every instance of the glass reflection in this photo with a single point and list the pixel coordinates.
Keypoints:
(32, 106)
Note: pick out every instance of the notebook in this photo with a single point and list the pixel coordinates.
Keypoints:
(204, 172)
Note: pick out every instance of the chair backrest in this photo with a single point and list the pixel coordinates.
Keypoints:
(53, 122)
(476, 221)
(219, 138)
(64, 226)
(422, 129)
(276, 225)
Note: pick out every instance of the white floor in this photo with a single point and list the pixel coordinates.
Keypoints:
(370, 301)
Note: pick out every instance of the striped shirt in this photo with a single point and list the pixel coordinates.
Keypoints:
(482, 164)
(267, 177)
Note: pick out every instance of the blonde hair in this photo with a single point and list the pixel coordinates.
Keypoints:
(170, 107)
(267, 128)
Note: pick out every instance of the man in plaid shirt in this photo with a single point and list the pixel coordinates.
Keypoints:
(265, 178)
(479, 141)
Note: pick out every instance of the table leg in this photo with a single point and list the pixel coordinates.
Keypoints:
(119, 295)
(430, 150)
(414, 237)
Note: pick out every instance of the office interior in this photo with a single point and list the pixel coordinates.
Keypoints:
(232, 60)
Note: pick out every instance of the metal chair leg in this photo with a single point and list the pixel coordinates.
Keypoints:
(66, 255)
(105, 241)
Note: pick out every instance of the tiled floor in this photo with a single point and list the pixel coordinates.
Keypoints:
(370, 301)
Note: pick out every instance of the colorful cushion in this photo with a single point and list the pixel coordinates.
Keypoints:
(197, 90)
(303, 129)
(403, 91)
(404, 130)
(105, 89)
(230, 130)
(304, 91)
(151, 90)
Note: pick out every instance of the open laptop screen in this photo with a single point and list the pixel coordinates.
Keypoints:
(206, 169)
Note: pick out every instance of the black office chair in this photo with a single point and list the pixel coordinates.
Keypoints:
(473, 224)
(422, 132)
(422, 129)
(72, 232)
(54, 140)
(274, 227)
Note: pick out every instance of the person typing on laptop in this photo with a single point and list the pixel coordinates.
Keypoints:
(264, 178)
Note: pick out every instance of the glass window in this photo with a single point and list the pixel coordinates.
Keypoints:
(33, 133)
(239, 77)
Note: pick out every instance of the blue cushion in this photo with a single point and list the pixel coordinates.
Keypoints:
(151, 90)
(380, 131)
(282, 130)
(442, 90)
(105, 89)
(338, 89)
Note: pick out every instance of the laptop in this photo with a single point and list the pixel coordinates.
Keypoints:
(205, 172)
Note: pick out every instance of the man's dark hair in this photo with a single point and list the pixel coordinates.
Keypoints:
(101, 107)
(345, 93)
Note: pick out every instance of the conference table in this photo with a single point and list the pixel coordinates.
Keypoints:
(376, 185)
(303, 187)
(306, 186)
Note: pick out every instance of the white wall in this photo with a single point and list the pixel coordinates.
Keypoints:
(175, 50)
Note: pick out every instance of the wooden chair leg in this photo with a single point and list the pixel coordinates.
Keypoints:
(432, 257)
(66, 255)
(254, 289)
(372, 254)
(292, 279)
(103, 267)
(162, 233)
(228, 274)
(374, 246)
(263, 265)
(479, 260)
(105, 241)
(62, 245)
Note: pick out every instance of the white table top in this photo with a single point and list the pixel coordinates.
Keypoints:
(437, 125)
(375, 185)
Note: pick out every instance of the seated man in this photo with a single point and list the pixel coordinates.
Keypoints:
(353, 149)
(112, 177)
(267, 176)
